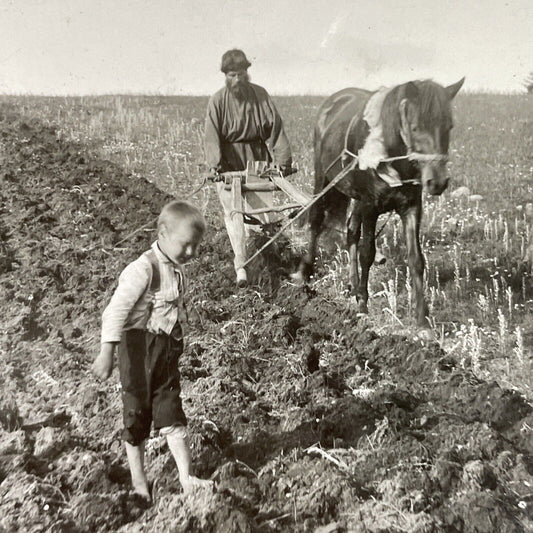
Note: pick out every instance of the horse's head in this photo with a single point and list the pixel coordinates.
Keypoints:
(423, 123)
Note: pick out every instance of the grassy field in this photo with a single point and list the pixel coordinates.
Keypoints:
(305, 415)
(479, 246)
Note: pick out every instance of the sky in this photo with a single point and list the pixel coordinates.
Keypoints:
(71, 47)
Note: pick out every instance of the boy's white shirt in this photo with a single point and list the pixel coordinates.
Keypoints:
(134, 306)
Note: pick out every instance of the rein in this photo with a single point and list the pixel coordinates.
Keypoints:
(411, 156)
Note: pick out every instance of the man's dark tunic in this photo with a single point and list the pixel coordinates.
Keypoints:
(242, 130)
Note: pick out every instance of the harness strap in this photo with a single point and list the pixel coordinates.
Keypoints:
(347, 135)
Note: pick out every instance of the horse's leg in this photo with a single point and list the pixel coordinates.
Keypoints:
(316, 218)
(411, 226)
(353, 235)
(367, 253)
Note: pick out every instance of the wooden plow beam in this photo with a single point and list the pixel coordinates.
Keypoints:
(252, 191)
(304, 201)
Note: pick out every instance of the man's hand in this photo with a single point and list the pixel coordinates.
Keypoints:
(214, 175)
(103, 364)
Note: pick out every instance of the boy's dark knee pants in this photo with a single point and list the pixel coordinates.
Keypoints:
(137, 420)
(149, 375)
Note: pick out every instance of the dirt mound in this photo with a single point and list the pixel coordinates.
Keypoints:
(302, 415)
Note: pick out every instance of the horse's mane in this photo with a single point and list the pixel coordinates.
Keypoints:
(432, 101)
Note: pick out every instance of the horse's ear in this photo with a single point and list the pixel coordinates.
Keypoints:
(411, 91)
(452, 90)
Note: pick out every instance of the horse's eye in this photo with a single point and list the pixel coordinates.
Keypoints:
(414, 128)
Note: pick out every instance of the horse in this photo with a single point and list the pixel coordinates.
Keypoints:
(416, 120)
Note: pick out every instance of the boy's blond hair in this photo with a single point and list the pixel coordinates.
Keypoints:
(181, 211)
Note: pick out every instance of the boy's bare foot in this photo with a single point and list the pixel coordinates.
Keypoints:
(191, 482)
(142, 491)
(140, 500)
(242, 278)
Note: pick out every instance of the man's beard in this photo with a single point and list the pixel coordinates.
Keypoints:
(238, 88)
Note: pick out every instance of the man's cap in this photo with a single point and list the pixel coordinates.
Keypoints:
(234, 60)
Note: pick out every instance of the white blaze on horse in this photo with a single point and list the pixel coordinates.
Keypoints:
(374, 153)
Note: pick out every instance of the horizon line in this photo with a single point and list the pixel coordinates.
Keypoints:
(510, 92)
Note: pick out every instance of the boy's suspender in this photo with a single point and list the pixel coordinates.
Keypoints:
(155, 285)
(155, 282)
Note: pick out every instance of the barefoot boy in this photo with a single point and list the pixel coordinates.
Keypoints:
(145, 317)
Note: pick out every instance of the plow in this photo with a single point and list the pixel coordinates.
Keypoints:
(252, 197)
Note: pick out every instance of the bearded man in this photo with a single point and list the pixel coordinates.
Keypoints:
(242, 125)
